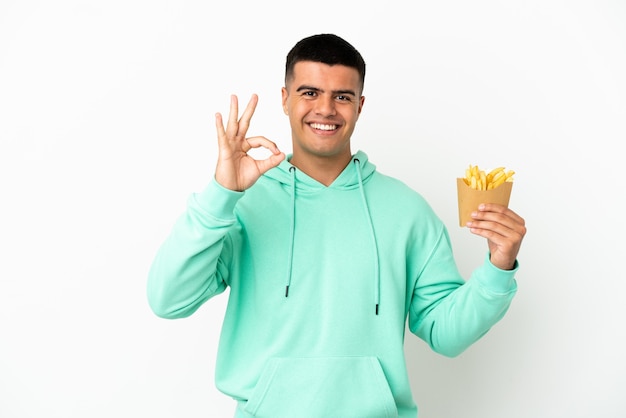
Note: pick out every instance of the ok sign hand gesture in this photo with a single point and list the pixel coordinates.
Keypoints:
(235, 169)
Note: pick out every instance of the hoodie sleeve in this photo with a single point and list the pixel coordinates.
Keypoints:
(191, 266)
(451, 314)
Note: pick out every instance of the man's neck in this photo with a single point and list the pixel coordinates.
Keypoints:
(320, 168)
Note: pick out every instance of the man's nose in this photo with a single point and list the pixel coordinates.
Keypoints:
(325, 106)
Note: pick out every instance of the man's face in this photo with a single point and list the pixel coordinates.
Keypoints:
(323, 103)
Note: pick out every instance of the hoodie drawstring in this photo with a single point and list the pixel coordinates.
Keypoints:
(373, 234)
(357, 163)
(292, 170)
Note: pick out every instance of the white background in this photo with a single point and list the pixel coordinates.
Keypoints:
(107, 125)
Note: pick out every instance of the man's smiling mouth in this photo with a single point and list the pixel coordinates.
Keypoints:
(323, 127)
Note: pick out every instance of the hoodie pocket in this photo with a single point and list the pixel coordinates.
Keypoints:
(322, 387)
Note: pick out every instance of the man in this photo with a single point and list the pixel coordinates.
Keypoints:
(325, 259)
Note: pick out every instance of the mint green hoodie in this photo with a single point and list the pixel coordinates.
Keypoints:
(321, 283)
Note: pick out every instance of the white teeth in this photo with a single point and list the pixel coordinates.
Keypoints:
(323, 127)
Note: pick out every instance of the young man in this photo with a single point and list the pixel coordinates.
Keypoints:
(325, 259)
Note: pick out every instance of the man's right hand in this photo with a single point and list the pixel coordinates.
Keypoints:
(236, 170)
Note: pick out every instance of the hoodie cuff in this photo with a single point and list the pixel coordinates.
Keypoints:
(495, 279)
(218, 201)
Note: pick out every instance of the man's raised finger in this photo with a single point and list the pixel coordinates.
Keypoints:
(244, 122)
(233, 125)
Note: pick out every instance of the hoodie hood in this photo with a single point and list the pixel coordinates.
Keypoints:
(355, 175)
(285, 173)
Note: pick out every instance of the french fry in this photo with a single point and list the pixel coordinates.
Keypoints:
(479, 179)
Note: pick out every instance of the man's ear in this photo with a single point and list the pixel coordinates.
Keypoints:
(285, 96)
(361, 102)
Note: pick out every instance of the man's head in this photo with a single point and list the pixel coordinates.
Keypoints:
(323, 99)
(328, 49)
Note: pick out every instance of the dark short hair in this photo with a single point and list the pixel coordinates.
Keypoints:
(328, 49)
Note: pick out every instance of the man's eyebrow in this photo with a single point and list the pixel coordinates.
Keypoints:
(305, 87)
(346, 92)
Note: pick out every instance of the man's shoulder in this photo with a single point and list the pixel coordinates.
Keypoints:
(393, 184)
(395, 191)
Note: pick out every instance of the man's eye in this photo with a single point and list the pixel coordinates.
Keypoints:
(343, 98)
(309, 93)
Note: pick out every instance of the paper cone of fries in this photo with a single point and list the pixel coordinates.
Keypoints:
(469, 198)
